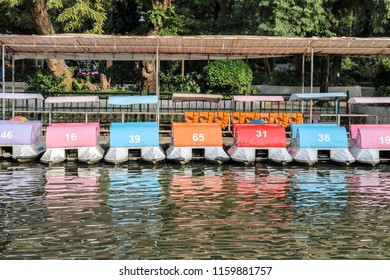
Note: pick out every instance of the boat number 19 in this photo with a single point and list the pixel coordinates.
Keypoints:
(323, 137)
(383, 139)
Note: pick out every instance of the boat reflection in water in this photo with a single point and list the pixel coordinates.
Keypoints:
(371, 188)
(263, 189)
(215, 205)
(134, 197)
(318, 196)
(21, 194)
(76, 215)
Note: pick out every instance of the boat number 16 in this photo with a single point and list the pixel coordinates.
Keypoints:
(323, 137)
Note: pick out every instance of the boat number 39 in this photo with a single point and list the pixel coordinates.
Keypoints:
(260, 133)
(323, 137)
(384, 140)
(198, 137)
(134, 139)
(6, 135)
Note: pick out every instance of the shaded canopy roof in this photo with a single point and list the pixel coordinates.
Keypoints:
(369, 100)
(103, 47)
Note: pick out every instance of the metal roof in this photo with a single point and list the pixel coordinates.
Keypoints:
(132, 100)
(257, 98)
(318, 96)
(369, 100)
(71, 99)
(103, 47)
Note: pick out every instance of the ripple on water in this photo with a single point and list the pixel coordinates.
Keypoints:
(197, 211)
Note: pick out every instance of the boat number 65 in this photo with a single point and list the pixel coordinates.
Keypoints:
(198, 137)
(323, 137)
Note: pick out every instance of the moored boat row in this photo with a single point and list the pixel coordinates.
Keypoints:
(253, 140)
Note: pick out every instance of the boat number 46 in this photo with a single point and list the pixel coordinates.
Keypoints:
(6, 135)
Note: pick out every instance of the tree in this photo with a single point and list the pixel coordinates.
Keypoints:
(161, 11)
(75, 16)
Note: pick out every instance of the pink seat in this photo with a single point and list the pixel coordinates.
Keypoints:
(69, 135)
(95, 124)
(353, 128)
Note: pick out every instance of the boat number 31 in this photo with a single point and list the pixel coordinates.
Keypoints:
(323, 137)
(260, 133)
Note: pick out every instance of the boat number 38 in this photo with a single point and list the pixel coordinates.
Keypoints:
(323, 137)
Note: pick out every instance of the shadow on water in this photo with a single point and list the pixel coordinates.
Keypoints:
(196, 211)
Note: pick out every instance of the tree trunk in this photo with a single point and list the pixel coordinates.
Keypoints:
(148, 68)
(148, 76)
(44, 26)
(324, 87)
(105, 82)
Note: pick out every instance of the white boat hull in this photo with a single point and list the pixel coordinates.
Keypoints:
(247, 155)
(184, 154)
(148, 154)
(309, 156)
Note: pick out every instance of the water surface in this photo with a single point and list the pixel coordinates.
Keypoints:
(197, 211)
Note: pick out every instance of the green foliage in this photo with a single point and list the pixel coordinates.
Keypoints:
(177, 83)
(123, 72)
(45, 83)
(81, 14)
(228, 76)
(166, 22)
(296, 18)
(342, 81)
(383, 75)
(78, 85)
(347, 64)
(283, 78)
(382, 91)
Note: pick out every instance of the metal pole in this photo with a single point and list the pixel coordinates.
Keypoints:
(3, 67)
(312, 71)
(303, 73)
(3, 77)
(157, 84)
(13, 74)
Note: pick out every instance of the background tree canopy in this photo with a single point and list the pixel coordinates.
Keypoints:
(182, 17)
